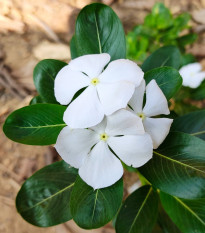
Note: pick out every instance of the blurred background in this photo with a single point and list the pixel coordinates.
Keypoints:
(32, 30)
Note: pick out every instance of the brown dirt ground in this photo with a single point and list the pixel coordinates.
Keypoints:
(25, 27)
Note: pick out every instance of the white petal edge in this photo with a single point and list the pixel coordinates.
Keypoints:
(156, 102)
(91, 64)
(188, 70)
(136, 102)
(123, 122)
(122, 70)
(195, 80)
(101, 168)
(73, 145)
(133, 150)
(158, 129)
(85, 111)
(114, 96)
(67, 83)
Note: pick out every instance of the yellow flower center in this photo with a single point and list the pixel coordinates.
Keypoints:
(103, 137)
(95, 81)
(141, 115)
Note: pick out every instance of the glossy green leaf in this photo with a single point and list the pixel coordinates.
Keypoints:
(198, 93)
(139, 212)
(188, 215)
(99, 30)
(94, 208)
(44, 75)
(192, 123)
(168, 79)
(73, 49)
(36, 100)
(178, 166)
(166, 224)
(38, 124)
(43, 200)
(165, 56)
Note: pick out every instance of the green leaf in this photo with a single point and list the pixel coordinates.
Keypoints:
(99, 30)
(198, 93)
(44, 75)
(192, 123)
(43, 200)
(178, 166)
(168, 79)
(166, 223)
(187, 39)
(162, 15)
(187, 58)
(182, 20)
(139, 212)
(36, 100)
(94, 208)
(38, 124)
(73, 49)
(165, 56)
(188, 215)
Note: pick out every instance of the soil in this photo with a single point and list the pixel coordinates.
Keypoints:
(25, 27)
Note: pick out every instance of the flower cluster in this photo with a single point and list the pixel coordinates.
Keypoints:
(107, 122)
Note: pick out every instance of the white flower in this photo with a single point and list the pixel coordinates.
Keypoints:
(156, 104)
(192, 75)
(89, 149)
(107, 91)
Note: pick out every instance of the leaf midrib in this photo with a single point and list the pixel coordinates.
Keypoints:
(190, 210)
(46, 199)
(178, 162)
(198, 133)
(98, 35)
(36, 127)
(143, 203)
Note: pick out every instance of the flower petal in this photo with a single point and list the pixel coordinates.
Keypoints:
(133, 150)
(122, 70)
(115, 96)
(195, 80)
(92, 64)
(124, 122)
(100, 128)
(85, 111)
(156, 102)
(73, 145)
(190, 69)
(136, 102)
(158, 129)
(101, 168)
(67, 83)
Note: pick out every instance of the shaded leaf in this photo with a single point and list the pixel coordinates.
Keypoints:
(168, 79)
(178, 166)
(44, 75)
(139, 212)
(193, 219)
(192, 123)
(165, 56)
(94, 208)
(36, 100)
(43, 200)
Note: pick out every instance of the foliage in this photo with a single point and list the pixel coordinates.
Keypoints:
(160, 28)
(175, 176)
